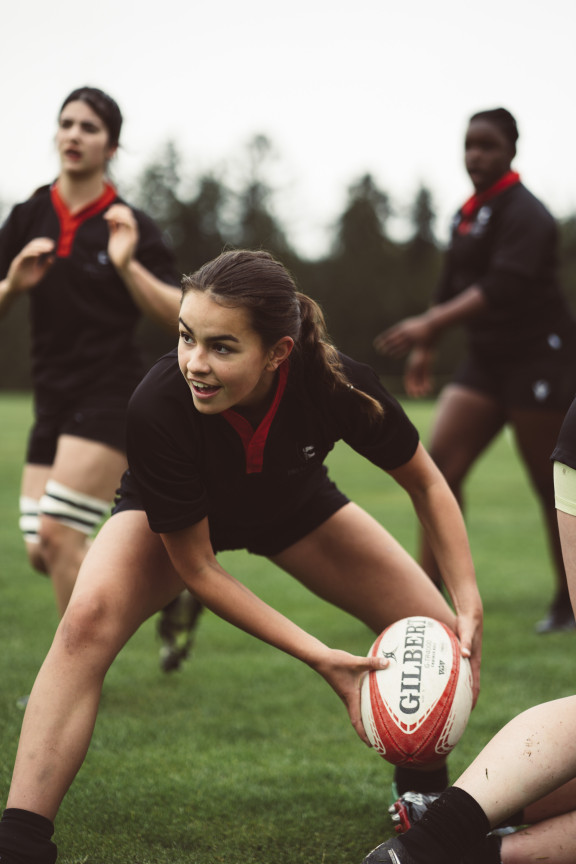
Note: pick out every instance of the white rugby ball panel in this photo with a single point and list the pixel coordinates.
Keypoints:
(417, 708)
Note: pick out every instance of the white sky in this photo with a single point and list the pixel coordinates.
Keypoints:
(341, 88)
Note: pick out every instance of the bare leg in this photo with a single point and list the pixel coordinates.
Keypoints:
(532, 761)
(466, 422)
(90, 468)
(354, 563)
(530, 757)
(551, 842)
(34, 479)
(125, 578)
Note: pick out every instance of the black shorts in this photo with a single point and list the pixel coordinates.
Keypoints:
(268, 540)
(544, 380)
(96, 417)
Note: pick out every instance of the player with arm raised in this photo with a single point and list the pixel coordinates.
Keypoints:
(90, 265)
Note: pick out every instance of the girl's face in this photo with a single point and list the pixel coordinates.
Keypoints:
(488, 153)
(82, 140)
(223, 359)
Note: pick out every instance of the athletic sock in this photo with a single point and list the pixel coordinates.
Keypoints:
(413, 780)
(25, 838)
(451, 826)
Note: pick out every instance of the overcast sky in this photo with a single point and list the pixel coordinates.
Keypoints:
(341, 88)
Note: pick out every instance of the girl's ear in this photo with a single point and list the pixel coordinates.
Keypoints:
(280, 352)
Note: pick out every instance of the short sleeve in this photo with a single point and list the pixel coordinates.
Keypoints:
(388, 442)
(10, 243)
(164, 449)
(523, 253)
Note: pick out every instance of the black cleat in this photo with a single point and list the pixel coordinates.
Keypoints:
(409, 808)
(177, 628)
(391, 852)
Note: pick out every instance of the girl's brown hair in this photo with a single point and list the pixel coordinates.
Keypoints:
(257, 282)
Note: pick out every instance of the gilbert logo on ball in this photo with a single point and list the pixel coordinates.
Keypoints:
(416, 709)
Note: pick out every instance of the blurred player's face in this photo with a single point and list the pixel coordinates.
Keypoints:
(223, 359)
(82, 140)
(488, 153)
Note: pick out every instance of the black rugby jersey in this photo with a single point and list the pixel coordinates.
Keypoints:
(509, 251)
(189, 465)
(82, 316)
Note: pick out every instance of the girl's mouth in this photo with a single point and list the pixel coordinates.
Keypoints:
(203, 390)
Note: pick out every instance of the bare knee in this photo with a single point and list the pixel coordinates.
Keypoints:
(59, 543)
(36, 558)
(88, 625)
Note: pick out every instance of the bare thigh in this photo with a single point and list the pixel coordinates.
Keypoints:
(466, 422)
(88, 466)
(125, 578)
(354, 563)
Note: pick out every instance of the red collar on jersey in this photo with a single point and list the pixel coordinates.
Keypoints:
(471, 207)
(254, 440)
(70, 222)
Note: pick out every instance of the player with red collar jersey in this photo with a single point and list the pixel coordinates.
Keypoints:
(500, 282)
(90, 266)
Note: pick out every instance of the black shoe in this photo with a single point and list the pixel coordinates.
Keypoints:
(176, 628)
(391, 852)
(558, 620)
(409, 808)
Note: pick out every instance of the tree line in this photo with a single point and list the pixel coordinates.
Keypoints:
(364, 283)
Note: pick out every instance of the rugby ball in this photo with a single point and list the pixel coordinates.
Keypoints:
(416, 710)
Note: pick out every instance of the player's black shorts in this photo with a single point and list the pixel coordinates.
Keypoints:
(544, 379)
(98, 417)
(267, 541)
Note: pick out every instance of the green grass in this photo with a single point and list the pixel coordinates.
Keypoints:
(246, 756)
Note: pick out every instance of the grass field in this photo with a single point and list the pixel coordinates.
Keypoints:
(246, 756)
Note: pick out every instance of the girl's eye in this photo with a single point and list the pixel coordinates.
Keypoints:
(221, 349)
(186, 338)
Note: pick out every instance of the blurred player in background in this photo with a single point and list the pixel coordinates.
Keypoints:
(91, 265)
(500, 281)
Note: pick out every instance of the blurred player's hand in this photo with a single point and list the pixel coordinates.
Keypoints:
(418, 372)
(402, 337)
(123, 235)
(30, 265)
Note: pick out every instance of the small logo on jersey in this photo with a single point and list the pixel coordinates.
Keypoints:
(554, 341)
(541, 390)
(308, 452)
(481, 221)
(103, 258)
(484, 215)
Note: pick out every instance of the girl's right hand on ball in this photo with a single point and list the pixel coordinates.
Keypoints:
(345, 673)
